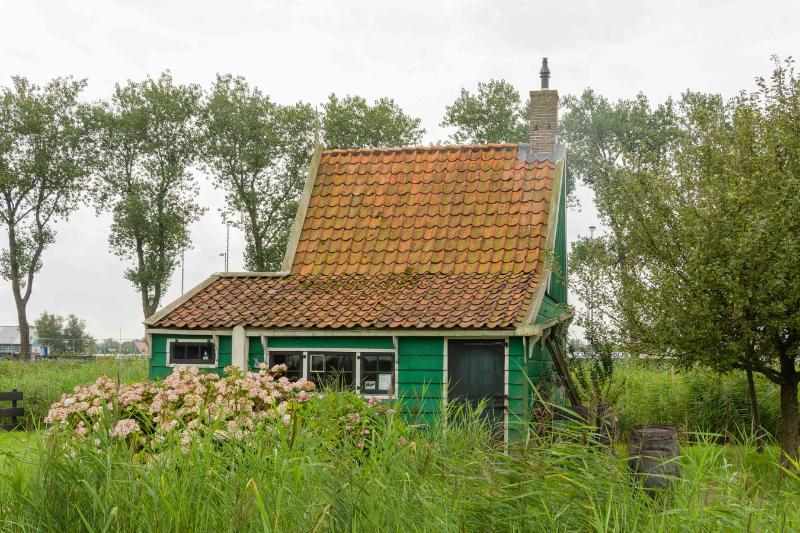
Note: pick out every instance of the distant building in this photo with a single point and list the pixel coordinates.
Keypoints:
(142, 348)
(10, 342)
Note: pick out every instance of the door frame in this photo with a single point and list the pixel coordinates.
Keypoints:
(446, 383)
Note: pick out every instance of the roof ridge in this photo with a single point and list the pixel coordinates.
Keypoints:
(244, 274)
(430, 148)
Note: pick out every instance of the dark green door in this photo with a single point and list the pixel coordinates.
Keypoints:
(475, 374)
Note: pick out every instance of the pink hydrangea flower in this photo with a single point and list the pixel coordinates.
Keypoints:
(125, 427)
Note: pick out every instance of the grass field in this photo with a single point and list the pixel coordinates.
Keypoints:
(454, 480)
(43, 382)
(443, 478)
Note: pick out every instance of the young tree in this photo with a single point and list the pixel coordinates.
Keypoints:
(146, 140)
(257, 151)
(351, 122)
(76, 336)
(593, 280)
(43, 171)
(50, 331)
(495, 114)
(63, 335)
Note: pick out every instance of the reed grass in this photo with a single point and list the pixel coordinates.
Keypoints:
(447, 477)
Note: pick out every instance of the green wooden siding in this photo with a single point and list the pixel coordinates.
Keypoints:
(420, 369)
(421, 376)
(517, 389)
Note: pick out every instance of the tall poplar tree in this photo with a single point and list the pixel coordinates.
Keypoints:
(146, 140)
(43, 171)
(258, 153)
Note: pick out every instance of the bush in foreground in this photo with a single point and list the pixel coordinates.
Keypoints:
(186, 405)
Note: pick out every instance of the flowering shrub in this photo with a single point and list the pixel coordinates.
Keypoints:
(186, 404)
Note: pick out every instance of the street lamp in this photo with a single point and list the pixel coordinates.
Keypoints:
(224, 255)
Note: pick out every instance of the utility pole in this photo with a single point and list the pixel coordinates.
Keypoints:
(591, 291)
(183, 264)
(227, 246)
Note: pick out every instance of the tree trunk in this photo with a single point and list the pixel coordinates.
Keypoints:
(789, 423)
(20, 301)
(758, 431)
(24, 333)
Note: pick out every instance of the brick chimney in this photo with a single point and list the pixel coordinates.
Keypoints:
(544, 114)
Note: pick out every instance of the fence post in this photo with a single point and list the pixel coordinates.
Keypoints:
(13, 406)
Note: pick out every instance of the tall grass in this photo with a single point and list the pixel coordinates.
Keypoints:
(43, 382)
(449, 477)
(694, 401)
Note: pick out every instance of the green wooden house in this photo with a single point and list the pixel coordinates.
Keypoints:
(427, 274)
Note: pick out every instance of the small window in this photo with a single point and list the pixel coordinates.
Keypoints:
(377, 372)
(192, 353)
(332, 369)
(292, 360)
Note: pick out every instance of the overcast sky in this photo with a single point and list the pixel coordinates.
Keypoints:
(419, 53)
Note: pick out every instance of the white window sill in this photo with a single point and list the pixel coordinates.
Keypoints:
(191, 365)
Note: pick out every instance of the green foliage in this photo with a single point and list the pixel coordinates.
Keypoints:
(43, 382)
(43, 173)
(146, 139)
(606, 139)
(63, 335)
(257, 152)
(701, 200)
(494, 114)
(351, 122)
(458, 479)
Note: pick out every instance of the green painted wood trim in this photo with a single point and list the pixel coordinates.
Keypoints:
(378, 343)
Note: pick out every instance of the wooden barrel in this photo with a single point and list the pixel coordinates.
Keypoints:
(652, 453)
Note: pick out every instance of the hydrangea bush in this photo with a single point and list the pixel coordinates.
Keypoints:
(187, 404)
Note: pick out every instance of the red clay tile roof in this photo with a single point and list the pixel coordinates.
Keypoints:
(436, 237)
(448, 209)
(358, 301)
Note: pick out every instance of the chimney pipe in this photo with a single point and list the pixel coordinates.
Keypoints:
(544, 114)
(544, 74)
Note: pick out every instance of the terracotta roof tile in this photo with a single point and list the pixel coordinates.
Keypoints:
(436, 237)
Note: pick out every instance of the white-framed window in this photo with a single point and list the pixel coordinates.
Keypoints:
(201, 353)
(371, 372)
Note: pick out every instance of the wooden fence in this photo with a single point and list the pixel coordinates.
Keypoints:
(12, 412)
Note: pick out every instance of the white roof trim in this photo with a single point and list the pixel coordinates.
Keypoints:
(302, 208)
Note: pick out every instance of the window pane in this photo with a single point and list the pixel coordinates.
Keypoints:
(187, 352)
(292, 360)
(386, 363)
(331, 363)
(333, 369)
(377, 373)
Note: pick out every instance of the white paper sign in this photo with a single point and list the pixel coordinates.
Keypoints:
(383, 381)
